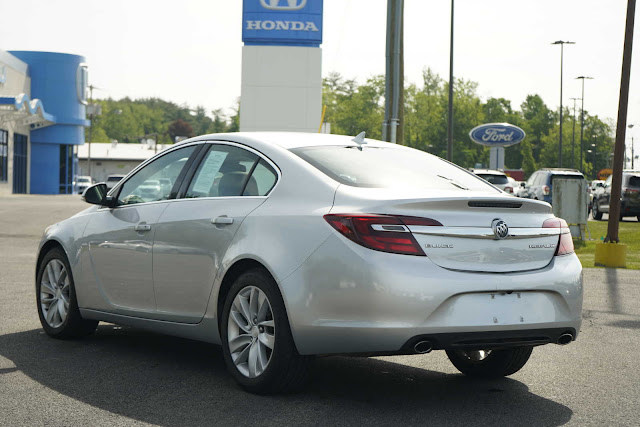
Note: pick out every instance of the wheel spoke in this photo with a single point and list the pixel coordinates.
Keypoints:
(246, 311)
(263, 310)
(51, 275)
(47, 288)
(62, 311)
(57, 268)
(239, 342)
(267, 339)
(253, 360)
(50, 313)
(241, 357)
(267, 324)
(240, 321)
(254, 296)
(263, 359)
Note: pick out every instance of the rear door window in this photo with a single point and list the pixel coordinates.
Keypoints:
(230, 171)
(634, 181)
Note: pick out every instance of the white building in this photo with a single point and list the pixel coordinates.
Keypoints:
(113, 158)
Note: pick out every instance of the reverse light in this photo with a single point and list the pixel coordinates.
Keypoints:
(565, 241)
(383, 233)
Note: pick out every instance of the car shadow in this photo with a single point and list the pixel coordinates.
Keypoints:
(171, 381)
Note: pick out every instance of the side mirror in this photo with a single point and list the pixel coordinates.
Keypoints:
(523, 184)
(97, 195)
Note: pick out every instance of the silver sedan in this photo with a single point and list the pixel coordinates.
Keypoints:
(282, 246)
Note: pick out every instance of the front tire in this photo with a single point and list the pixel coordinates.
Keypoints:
(257, 343)
(490, 363)
(56, 299)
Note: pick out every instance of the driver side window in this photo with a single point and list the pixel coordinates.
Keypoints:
(156, 180)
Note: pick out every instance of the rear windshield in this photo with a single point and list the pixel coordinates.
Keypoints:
(389, 168)
(494, 179)
(554, 177)
(634, 181)
(114, 178)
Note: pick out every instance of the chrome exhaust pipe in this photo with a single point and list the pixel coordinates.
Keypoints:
(565, 339)
(423, 347)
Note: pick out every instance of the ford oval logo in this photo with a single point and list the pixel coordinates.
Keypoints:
(497, 134)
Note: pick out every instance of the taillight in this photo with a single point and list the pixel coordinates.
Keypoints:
(629, 192)
(508, 189)
(565, 242)
(546, 190)
(381, 232)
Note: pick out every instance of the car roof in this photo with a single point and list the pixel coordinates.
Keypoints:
(562, 171)
(491, 171)
(289, 140)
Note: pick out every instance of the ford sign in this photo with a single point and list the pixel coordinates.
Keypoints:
(497, 134)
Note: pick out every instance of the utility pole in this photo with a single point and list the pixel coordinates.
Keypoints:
(573, 135)
(90, 130)
(618, 154)
(394, 81)
(450, 111)
(632, 153)
(561, 43)
(582, 116)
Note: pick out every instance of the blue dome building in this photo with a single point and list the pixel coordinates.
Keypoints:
(43, 101)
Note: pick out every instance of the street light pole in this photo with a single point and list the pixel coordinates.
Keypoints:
(632, 153)
(573, 135)
(582, 116)
(450, 114)
(561, 43)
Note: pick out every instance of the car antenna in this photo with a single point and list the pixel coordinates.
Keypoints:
(359, 139)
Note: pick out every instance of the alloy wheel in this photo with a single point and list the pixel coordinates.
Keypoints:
(54, 293)
(251, 331)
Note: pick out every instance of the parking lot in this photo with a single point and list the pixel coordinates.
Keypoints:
(125, 376)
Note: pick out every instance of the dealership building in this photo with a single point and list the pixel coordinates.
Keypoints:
(43, 97)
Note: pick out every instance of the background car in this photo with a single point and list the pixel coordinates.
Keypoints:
(283, 246)
(112, 180)
(630, 196)
(495, 177)
(539, 186)
(82, 183)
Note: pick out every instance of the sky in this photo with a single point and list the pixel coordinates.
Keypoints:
(190, 51)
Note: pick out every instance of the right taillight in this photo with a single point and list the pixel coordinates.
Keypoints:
(565, 241)
(384, 233)
(546, 190)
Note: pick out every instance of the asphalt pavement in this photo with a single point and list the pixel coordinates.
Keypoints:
(126, 376)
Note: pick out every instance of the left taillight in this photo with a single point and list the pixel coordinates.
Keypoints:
(565, 242)
(384, 233)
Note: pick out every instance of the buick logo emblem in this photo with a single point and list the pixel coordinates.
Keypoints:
(500, 228)
(283, 4)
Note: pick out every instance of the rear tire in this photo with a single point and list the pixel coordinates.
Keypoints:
(595, 211)
(56, 299)
(276, 366)
(490, 363)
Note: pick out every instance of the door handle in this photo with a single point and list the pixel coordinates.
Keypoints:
(222, 220)
(142, 227)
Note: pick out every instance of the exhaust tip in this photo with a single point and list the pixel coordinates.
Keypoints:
(423, 347)
(565, 339)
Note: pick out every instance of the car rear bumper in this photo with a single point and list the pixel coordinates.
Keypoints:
(348, 299)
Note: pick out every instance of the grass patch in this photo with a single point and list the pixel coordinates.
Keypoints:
(629, 233)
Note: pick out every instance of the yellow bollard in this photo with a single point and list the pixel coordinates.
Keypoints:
(611, 254)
